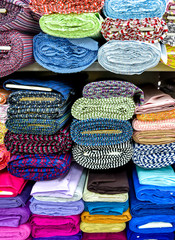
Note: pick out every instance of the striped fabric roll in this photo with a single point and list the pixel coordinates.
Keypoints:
(21, 53)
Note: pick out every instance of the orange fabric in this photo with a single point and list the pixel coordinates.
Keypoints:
(156, 116)
(4, 94)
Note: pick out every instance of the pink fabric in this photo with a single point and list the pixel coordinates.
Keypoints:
(11, 183)
(15, 233)
(155, 101)
(105, 236)
(49, 226)
(4, 156)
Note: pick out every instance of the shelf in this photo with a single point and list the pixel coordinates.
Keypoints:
(95, 67)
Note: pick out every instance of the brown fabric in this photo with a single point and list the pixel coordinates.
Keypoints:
(4, 94)
(113, 181)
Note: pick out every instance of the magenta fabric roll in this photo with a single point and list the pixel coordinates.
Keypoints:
(105, 236)
(15, 233)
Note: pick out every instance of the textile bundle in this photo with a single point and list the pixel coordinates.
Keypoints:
(72, 25)
(77, 54)
(170, 55)
(170, 38)
(39, 167)
(156, 116)
(3, 130)
(11, 233)
(134, 9)
(119, 56)
(4, 156)
(20, 55)
(65, 7)
(133, 29)
(77, 236)
(121, 108)
(104, 236)
(4, 94)
(3, 111)
(102, 228)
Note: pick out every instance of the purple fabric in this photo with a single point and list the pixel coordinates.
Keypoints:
(78, 236)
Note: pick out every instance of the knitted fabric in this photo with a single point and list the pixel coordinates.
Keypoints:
(39, 167)
(100, 132)
(154, 156)
(4, 156)
(112, 88)
(103, 157)
(3, 111)
(118, 29)
(3, 130)
(121, 108)
(170, 56)
(118, 56)
(77, 54)
(170, 12)
(59, 6)
(157, 116)
(72, 25)
(20, 55)
(170, 39)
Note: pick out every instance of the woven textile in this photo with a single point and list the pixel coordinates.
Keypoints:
(12, 233)
(77, 54)
(3, 111)
(102, 227)
(156, 116)
(60, 142)
(4, 156)
(3, 130)
(103, 157)
(112, 88)
(118, 56)
(154, 156)
(170, 12)
(121, 108)
(4, 94)
(39, 167)
(100, 132)
(118, 29)
(60, 6)
(105, 236)
(72, 25)
(142, 236)
(132, 9)
(170, 39)
(20, 55)
(170, 56)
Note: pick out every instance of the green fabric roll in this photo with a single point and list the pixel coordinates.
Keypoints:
(121, 108)
(72, 25)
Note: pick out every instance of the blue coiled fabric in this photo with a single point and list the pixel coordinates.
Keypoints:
(61, 55)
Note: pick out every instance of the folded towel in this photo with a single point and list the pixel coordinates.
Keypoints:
(134, 9)
(112, 88)
(3, 111)
(65, 7)
(21, 53)
(119, 29)
(18, 16)
(113, 181)
(77, 54)
(102, 227)
(4, 156)
(101, 132)
(156, 116)
(154, 194)
(77, 236)
(87, 218)
(12, 233)
(118, 56)
(39, 167)
(170, 56)
(4, 95)
(121, 108)
(104, 236)
(49, 226)
(154, 156)
(72, 25)
(3, 130)
(170, 38)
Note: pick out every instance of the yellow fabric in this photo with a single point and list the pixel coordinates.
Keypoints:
(171, 57)
(3, 130)
(102, 227)
(156, 116)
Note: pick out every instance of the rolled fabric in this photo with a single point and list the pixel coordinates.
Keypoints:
(3, 111)
(105, 236)
(102, 228)
(170, 38)
(112, 88)
(4, 156)
(154, 156)
(169, 11)
(125, 217)
(11, 233)
(101, 132)
(121, 108)
(170, 56)
(131, 9)
(20, 54)
(49, 226)
(77, 236)
(156, 116)
(118, 56)
(4, 95)
(72, 25)
(3, 130)
(154, 194)
(39, 167)
(77, 54)
(119, 29)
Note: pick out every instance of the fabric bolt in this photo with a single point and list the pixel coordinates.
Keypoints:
(4, 95)
(113, 88)
(102, 228)
(156, 116)
(12, 233)
(133, 29)
(39, 167)
(77, 54)
(3, 130)
(105, 236)
(170, 56)
(169, 11)
(4, 156)
(170, 38)
(101, 132)
(3, 111)
(132, 9)
(118, 56)
(21, 53)
(49, 226)
(72, 25)
(77, 236)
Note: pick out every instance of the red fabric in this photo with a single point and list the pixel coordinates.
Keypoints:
(105, 236)
(4, 156)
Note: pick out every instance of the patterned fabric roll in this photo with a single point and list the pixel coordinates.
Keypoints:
(3, 111)
(156, 116)
(3, 130)
(112, 88)
(20, 55)
(103, 157)
(39, 167)
(18, 16)
(170, 11)
(171, 56)
(170, 38)
(100, 132)
(118, 29)
(60, 6)
(4, 156)
(121, 108)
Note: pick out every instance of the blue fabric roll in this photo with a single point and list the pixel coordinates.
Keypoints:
(61, 55)
(131, 9)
